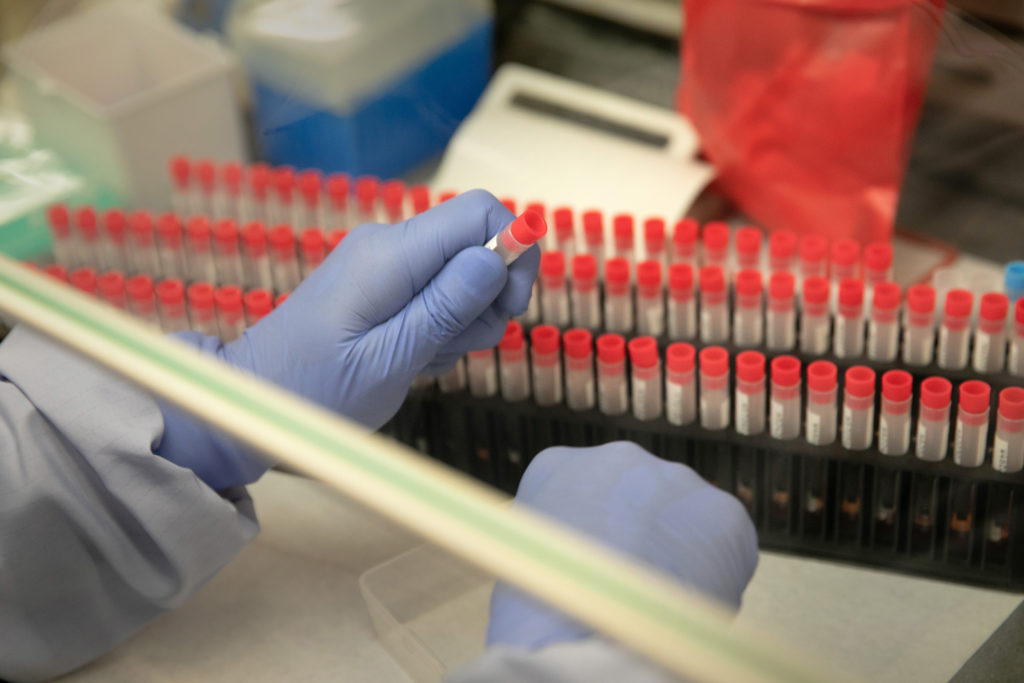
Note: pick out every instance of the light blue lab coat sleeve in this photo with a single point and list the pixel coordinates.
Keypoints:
(577, 661)
(98, 535)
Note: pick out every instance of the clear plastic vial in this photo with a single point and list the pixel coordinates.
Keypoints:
(612, 392)
(554, 297)
(622, 232)
(971, 440)
(877, 263)
(748, 316)
(646, 378)
(514, 370)
(820, 420)
(650, 299)
(815, 321)
(482, 368)
(990, 336)
(202, 314)
(680, 384)
(748, 249)
(714, 306)
(454, 380)
(227, 257)
(255, 260)
(1015, 364)
(546, 361)
(844, 265)
(785, 411)
(142, 254)
(682, 302)
(715, 247)
(1008, 447)
(172, 250)
(813, 257)
(780, 318)
(655, 246)
(955, 330)
(919, 326)
(751, 399)
(200, 256)
(858, 408)
(618, 309)
(141, 299)
(284, 263)
(578, 345)
(518, 236)
(884, 326)
(593, 238)
(894, 418)
(684, 243)
(585, 296)
(782, 252)
(230, 313)
(565, 232)
(714, 388)
(848, 340)
(932, 440)
(170, 295)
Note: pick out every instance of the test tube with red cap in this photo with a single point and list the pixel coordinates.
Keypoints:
(112, 247)
(844, 261)
(281, 199)
(682, 302)
(655, 247)
(858, 408)
(64, 243)
(751, 396)
(312, 248)
(83, 279)
(392, 199)
(971, 440)
(518, 236)
(714, 306)
(848, 340)
(203, 202)
(919, 325)
(586, 298)
(593, 238)
(531, 315)
(820, 418)
(955, 330)
(255, 260)
(226, 255)
(181, 185)
(932, 440)
(482, 368)
(554, 298)
(894, 418)
(990, 335)
(307, 209)
(200, 263)
(884, 326)
(256, 195)
(877, 263)
(454, 380)
(579, 369)
(337, 209)
(57, 272)
(622, 234)
(785, 411)
(545, 357)
(229, 196)
(650, 299)
(284, 265)
(230, 312)
(141, 253)
(780, 316)
(141, 299)
(258, 304)
(419, 199)
(684, 242)
(172, 249)
(612, 389)
(1008, 449)
(202, 312)
(747, 315)
(748, 248)
(618, 309)
(714, 388)
(88, 241)
(680, 383)
(782, 251)
(514, 370)
(547, 240)
(110, 286)
(815, 323)
(1015, 364)
(715, 246)
(565, 231)
(646, 378)
(813, 257)
(170, 296)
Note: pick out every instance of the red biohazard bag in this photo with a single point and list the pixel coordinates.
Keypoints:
(807, 107)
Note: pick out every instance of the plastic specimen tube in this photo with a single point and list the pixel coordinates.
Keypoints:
(518, 236)
(848, 340)
(531, 315)
(199, 259)
(547, 240)
(230, 312)
(255, 260)
(88, 238)
(877, 263)
(593, 238)
(141, 253)
(83, 279)
(782, 250)
(680, 383)
(578, 345)
(884, 326)
(684, 242)
(336, 211)
(813, 257)
(57, 272)
(714, 306)
(202, 312)
(307, 209)
(622, 233)
(714, 388)
(181, 198)
(258, 304)
(747, 314)
(545, 357)
(932, 439)
(172, 249)
(141, 298)
(971, 440)
(748, 249)
(256, 194)
(63, 237)
(228, 198)
(751, 399)
(585, 296)
(112, 247)
(312, 250)
(482, 368)
(820, 419)
(655, 246)
(682, 302)
(894, 418)
(955, 330)
(554, 297)
(454, 380)
(203, 190)
(858, 408)
(612, 396)
(815, 323)
(919, 326)
(650, 299)
(646, 378)
(1015, 364)
(565, 232)
(990, 335)
(715, 246)
(170, 295)
(280, 204)
(785, 412)
(366, 200)
(110, 286)
(1008, 448)
(227, 258)
(284, 264)
(844, 261)
(780, 316)
(618, 309)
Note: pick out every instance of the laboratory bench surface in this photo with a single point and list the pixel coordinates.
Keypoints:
(289, 608)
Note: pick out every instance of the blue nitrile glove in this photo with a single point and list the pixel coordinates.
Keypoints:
(392, 302)
(659, 512)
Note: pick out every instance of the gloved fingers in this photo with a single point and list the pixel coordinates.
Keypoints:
(521, 275)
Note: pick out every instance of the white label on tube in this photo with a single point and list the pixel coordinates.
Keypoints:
(813, 428)
(654, 318)
(883, 435)
(674, 402)
(777, 413)
(742, 412)
(847, 427)
(639, 396)
(724, 413)
(982, 343)
(821, 336)
(999, 454)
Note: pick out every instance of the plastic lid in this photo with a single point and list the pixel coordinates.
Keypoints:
(712, 279)
(643, 352)
(258, 302)
(593, 227)
(845, 252)
(622, 228)
(680, 276)
(782, 285)
(513, 337)
(851, 292)
(648, 273)
(813, 248)
(206, 172)
(860, 381)
(936, 393)
(283, 180)
(281, 298)
(822, 375)
(259, 179)
(1011, 403)
(200, 295)
(281, 238)
(254, 236)
(392, 193)
(897, 385)
(170, 292)
(680, 357)
(311, 241)
(616, 271)
(782, 244)
(748, 241)
(959, 303)
(578, 343)
(716, 235)
(786, 370)
(335, 237)
(225, 234)
(179, 168)
(878, 256)
(420, 196)
(452, 194)
(611, 348)
(56, 271)
(231, 172)
(552, 264)
(750, 366)
(60, 221)
(815, 290)
(886, 296)
(584, 267)
(85, 217)
(993, 306)
(714, 360)
(366, 191)
(1018, 310)
(84, 279)
(111, 283)
(545, 339)
(309, 183)
(228, 299)
(338, 189)
(141, 224)
(654, 234)
(529, 227)
(1014, 277)
(139, 287)
(114, 222)
(509, 203)
(169, 228)
(562, 218)
(198, 231)
(748, 282)
(685, 233)
(921, 299)
(975, 396)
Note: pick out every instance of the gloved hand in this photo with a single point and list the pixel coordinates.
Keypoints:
(659, 512)
(392, 302)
